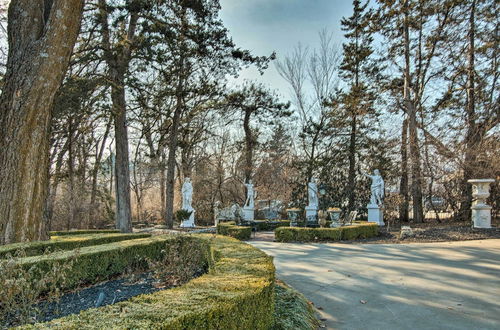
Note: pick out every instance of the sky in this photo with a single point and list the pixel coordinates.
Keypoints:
(264, 26)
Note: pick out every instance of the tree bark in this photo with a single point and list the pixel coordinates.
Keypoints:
(416, 184)
(249, 145)
(118, 60)
(122, 172)
(41, 38)
(352, 166)
(472, 138)
(172, 148)
(403, 184)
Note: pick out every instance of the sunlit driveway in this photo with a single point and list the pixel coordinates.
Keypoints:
(396, 286)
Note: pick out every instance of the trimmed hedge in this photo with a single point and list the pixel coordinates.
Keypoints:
(236, 293)
(84, 232)
(65, 243)
(300, 234)
(239, 232)
(269, 225)
(97, 263)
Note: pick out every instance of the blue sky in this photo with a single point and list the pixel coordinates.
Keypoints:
(264, 26)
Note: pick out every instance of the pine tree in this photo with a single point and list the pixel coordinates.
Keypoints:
(358, 69)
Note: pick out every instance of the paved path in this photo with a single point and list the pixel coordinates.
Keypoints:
(396, 286)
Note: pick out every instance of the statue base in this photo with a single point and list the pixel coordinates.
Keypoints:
(189, 223)
(312, 215)
(375, 214)
(481, 215)
(248, 213)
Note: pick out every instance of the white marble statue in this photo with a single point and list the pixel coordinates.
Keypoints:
(377, 188)
(249, 203)
(312, 192)
(187, 195)
(187, 200)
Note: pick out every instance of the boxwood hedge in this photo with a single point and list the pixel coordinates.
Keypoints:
(64, 243)
(236, 293)
(230, 229)
(300, 234)
(83, 231)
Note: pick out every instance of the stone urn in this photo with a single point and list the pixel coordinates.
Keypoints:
(294, 216)
(334, 213)
(481, 212)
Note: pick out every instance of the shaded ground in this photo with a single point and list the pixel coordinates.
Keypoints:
(430, 231)
(452, 285)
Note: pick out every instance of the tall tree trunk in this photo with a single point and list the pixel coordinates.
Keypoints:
(163, 180)
(71, 175)
(416, 184)
(41, 38)
(172, 148)
(403, 184)
(472, 138)
(249, 145)
(122, 172)
(351, 180)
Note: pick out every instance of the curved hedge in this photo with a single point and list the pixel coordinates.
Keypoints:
(64, 243)
(236, 293)
(301, 234)
(84, 232)
(230, 229)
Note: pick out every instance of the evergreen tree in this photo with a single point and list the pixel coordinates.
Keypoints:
(359, 70)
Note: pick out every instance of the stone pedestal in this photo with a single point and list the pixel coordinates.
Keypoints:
(334, 213)
(294, 216)
(311, 215)
(248, 213)
(481, 212)
(375, 214)
(189, 223)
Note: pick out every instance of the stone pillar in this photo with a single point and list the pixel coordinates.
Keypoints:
(376, 214)
(481, 212)
(311, 215)
(189, 223)
(334, 213)
(248, 213)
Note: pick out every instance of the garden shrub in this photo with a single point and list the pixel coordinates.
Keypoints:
(102, 262)
(306, 234)
(292, 311)
(83, 232)
(19, 293)
(65, 243)
(269, 225)
(236, 293)
(239, 232)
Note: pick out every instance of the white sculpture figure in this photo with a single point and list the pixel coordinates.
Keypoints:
(481, 212)
(312, 192)
(250, 195)
(248, 208)
(187, 199)
(377, 188)
(187, 194)
(375, 208)
(312, 208)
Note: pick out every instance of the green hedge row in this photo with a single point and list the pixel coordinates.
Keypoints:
(64, 243)
(83, 232)
(269, 225)
(97, 263)
(236, 293)
(300, 234)
(239, 232)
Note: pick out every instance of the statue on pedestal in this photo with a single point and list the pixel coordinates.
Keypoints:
(187, 195)
(187, 200)
(312, 192)
(377, 188)
(375, 208)
(249, 203)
